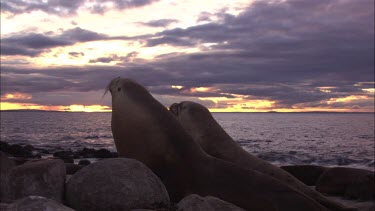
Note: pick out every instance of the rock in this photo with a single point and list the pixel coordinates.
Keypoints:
(3, 206)
(68, 160)
(142, 210)
(87, 153)
(72, 168)
(115, 184)
(37, 203)
(4, 146)
(84, 162)
(43, 178)
(92, 153)
(42, 151)
(19, 161)
(6, 165)
(349, 182)
(64, 155)
(29, 147)
(19, 151)
(359, 205)
(103, 153)
(308, 174)
(195, 202)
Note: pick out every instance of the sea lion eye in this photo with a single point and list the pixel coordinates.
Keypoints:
(119, 89)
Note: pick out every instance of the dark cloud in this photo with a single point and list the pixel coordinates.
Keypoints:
(170, 40)
(35, 41)
(159, 23)
(284, 51)
(81, 35)
(32, 44)
(18, 50)
(204, 16)
(115, 58)
(76, 54)
(70, 7)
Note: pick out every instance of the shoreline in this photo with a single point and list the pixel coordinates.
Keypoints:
(26, 151)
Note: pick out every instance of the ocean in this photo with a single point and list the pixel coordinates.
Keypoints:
(328, 139)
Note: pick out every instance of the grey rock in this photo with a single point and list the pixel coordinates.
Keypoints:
(41, 178)
(84, 162)
(359, 205)
(349, 182)
(115, 184)
(6, 165)
(308, 174)
(72, 168)
(142, 210)
(195, 202)
(37, 203)
(3, 206)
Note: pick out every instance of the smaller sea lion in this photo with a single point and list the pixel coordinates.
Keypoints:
(200, 124)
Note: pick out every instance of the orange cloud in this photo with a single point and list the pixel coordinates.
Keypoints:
(16, 95)
(71, 108)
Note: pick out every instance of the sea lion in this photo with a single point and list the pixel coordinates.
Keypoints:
(200, 124)
(145, 130)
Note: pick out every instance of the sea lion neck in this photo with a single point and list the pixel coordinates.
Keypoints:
(135, 107)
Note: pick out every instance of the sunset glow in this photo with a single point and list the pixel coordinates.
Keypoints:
(71, 108)
(231, 56)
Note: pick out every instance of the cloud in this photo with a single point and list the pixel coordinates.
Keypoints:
(283, 51)
(170, 40)
(32, 44)
(159, 23)
(76, 54)
(68, 8)
(115, 58)
(35, 41)
(81, 35)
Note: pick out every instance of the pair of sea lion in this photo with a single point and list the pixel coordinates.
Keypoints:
(145, 130)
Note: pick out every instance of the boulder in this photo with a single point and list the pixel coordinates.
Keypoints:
(349, 182)
(115, 184)
(103, 153)
(72, 168)
(5, 167)
(195, 202)
(19, 161)
(17, 150)
(4, 207)
(356, 204)
(84, 162)
(64, 155)
(308, 174)
(86, 152)
(42, 178)
(5, 163)
(36, 203)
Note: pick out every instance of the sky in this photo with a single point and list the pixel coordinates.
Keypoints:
(229, 55)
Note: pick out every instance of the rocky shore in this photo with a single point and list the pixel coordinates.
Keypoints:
(34, 179)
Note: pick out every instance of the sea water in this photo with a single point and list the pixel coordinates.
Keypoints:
(329, 139)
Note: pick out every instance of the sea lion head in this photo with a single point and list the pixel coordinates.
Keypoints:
(126, 92)
(194, 117)
(143, 128)
(134, 120)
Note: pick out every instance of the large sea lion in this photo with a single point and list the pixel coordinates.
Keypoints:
(145, 130)
(200, 124)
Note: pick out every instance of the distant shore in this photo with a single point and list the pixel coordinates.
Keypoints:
(263, 112)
